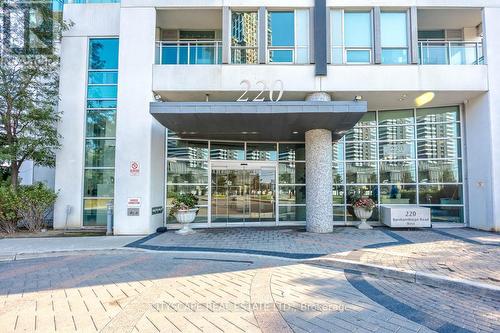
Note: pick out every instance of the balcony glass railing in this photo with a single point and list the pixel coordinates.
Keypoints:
(450, 53)
(189, 53)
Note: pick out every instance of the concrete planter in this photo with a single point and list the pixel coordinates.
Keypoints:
(185, 217)
(363, 214)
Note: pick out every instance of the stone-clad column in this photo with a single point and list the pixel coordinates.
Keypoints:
(319, 181)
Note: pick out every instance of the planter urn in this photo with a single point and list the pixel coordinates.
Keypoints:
(186, 217)
(363, 214)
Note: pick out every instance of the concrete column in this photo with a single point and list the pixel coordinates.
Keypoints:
(319, 181)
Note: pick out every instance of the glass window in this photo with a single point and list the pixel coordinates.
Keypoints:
(443, 148)
(361, 134)
(95, 212)
(244, 40)
(338, 151)
(394, 133)
(361, 151)
(358, 56)
(102, 91)
(187, 149)
(290, 195)
(397, 172)
(338, 173)
(358, 29)
(281, 29)
(103, 53)
(438, 130)
(187, 172)
(393, 29)
(103, 104)
(440, 171)
(398, 194)
(292, 173)
(99, 183)
(438, 115)
(397, 150)
(281, 56)
(356, 191)
(336, 36)
(361, 172)
(201, 191)
(101, 123)
(292, 152)
(440, 194)
(394, 37)
(302, 18)
(368, 119)
(103, 77)
(447, 214)
(338, 195)
(292, 213)
(100, 153)
(261, 151)
(227, 150)
(338, 213)
(398, 117)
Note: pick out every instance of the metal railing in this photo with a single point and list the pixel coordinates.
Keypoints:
(450, 53)
(189, 52)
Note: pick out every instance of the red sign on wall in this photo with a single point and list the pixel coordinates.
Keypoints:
(135, 168)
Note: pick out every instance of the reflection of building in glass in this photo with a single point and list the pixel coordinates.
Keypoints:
(244, 34)
(223, 154)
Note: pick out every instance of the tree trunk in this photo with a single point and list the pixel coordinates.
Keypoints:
(14, 173)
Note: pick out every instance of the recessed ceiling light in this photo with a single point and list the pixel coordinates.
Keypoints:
(295, 132)
(424, 98)
(244, 132)
(254, 132)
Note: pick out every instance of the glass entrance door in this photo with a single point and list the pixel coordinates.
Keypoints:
(243, 193)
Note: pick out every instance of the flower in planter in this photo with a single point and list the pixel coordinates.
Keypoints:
(182, 202)
(365, 203)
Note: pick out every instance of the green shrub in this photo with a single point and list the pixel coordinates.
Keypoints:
(9, 209)
(183, 201)
(35, 202)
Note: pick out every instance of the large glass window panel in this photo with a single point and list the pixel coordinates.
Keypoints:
(187, 149)
(338, 173)
(244, 56)
(292, 173)
(292, 213)
(103, 53)
(357, 29)
(339, 213)
(99, 183)
(103, 104)
(187, 172)
(281, 29)
(394, 56)
(393, 29)
(338, 194)
(397, 150)
(291, 195)
(244, 28)
(441, 148)
(261, 151)
(360, 151)
(302, 35)
(103, 77)
(100, 153)
(292, 152)
(361, 134)
(361, 172)
(201, 191)
(398, 194)
(368, 119)
(357, 191)
(397, 172)
(101, 123)
(438, 130)
(338, 151)
(440, 171)
(95, 212)
(358, 56)
(447, 214)
(336, 35)
(95, 92)
(438, 115)
(227, 150)
(281, 56)
(395, 133)
(397, 117)
(440, 194)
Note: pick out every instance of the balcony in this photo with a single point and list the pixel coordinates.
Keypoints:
(189, 52)
(450, 53)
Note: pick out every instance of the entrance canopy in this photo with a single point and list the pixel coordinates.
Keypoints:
(257, 121)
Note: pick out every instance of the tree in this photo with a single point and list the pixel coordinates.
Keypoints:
(29, 80)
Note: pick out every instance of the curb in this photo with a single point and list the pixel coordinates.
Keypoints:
(57, 253)
(412, 276)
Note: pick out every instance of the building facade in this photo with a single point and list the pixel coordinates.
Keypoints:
(276, 115)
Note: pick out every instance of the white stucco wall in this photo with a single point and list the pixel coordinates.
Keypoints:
(69, 159)
(483, 137)
(138, 136)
